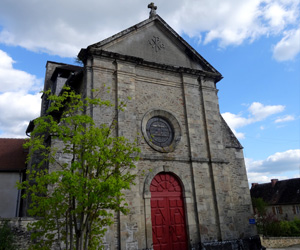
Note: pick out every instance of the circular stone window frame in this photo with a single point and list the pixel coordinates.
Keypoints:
(170, 118)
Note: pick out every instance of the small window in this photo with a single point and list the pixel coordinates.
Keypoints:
(277, 210)
(297, 209)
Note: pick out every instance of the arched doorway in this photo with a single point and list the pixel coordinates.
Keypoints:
(167, 213)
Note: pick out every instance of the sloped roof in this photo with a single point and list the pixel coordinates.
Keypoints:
(278, 192)
(111, 42)
(12, 154)
(229, 138)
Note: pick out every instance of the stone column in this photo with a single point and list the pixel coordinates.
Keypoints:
(213, 134)
(131, 224)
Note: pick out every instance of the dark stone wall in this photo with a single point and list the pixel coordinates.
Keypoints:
(249, 243)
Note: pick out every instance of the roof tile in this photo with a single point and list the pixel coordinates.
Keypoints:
(282, 192)
(12, 154)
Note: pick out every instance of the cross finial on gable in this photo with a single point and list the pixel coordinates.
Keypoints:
(153, 9)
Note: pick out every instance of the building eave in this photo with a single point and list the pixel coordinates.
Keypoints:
(139, 61)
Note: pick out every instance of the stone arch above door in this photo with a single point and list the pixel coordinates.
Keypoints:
(185, 185)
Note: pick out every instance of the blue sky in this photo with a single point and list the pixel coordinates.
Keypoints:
(255, 44)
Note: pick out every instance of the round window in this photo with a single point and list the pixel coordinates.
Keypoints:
(161, 130)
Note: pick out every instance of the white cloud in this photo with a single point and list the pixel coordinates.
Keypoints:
(261, 112)
(239, 135)
(17, 105)
(265, 178)
(286, 118)
(64, 30)
(235, 121)
(16, 110)
(237, 22)
(280, 13)
(275, 13)
(257, 112)
(277, 163)
(273, 167)
(288, 47)
(12, 79)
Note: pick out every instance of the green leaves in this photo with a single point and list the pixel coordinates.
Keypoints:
(78, 174)
(7, 237)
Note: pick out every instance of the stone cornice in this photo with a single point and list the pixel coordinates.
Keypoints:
(146, 157)
(85, 53)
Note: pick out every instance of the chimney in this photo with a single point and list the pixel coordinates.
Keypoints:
(253, 185)
(273, 181)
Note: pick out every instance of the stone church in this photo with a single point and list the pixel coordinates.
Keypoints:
(195, 191)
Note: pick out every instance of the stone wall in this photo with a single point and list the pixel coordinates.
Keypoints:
(248, 243)
(277, 242)
(287, 212)
(18, 227)
(212, 170)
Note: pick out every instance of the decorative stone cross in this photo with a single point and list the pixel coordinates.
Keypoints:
(153, 9)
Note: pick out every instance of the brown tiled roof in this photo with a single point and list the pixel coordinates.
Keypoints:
(12, 154)
(278, 192)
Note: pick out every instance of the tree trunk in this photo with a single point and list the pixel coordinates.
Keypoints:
(80, 240)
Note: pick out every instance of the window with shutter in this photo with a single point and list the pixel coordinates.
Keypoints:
(277, 210)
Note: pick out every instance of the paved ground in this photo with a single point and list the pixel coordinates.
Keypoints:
(288, 248)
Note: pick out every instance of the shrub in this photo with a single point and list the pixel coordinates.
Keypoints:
(285, 228)
(270, 226)
(295, 227)
(7, 239)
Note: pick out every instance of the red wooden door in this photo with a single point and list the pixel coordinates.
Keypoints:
(167, 213)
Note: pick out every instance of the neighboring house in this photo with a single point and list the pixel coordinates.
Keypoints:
(185, 143)
(282, 197)
(12, 169)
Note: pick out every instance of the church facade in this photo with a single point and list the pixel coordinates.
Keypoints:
(195, 187)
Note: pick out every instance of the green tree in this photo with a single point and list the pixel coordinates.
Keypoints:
(263, 219)
(260, 206)
(75, 200)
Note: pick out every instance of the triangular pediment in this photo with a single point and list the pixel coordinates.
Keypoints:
(154, 40)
